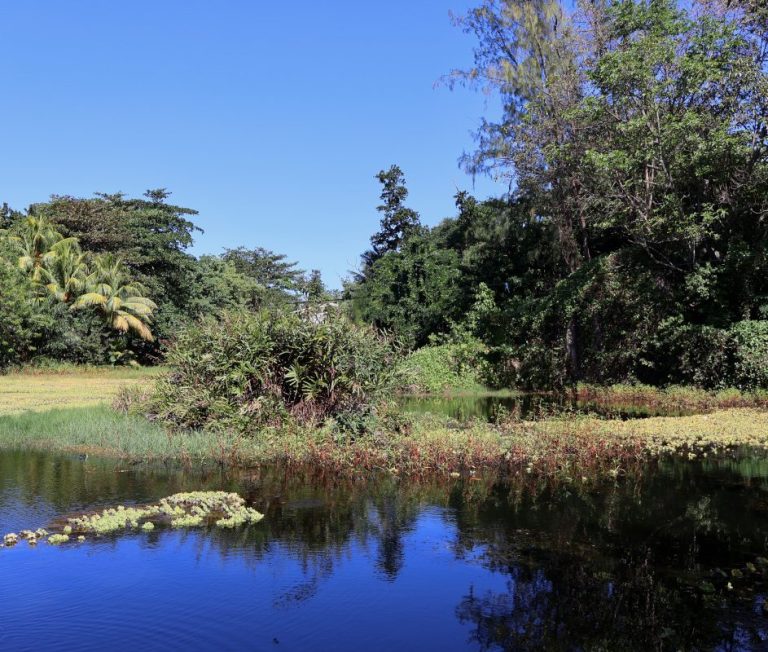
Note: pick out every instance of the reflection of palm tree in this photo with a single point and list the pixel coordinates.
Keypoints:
(120, 300)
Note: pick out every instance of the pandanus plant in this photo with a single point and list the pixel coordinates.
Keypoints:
(120, 299)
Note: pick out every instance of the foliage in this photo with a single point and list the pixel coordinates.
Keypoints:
(398, 222)
(441, 368)
(279, 278)
(635, 135)
(413, 292)
(268, 368)
(21, 322)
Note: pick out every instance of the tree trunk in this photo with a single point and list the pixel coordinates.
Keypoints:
(571, 350)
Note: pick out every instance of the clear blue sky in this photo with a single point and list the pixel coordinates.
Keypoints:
(270, 118)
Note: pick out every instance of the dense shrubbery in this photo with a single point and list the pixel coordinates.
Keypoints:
(274, 368)
(441, 368)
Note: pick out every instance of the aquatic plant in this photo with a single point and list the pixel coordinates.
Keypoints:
(188, 509)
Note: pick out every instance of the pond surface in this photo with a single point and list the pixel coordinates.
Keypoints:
(493, 407)
(382, 564)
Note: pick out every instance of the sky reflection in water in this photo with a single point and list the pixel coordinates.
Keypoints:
(385, 564)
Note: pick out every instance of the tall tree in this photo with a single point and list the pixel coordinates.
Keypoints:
(398, 222)
(280, 278)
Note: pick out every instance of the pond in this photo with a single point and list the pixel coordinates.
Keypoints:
(675, 560)
(495, 406)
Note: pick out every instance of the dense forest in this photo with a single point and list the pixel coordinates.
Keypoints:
(108, 279)
(631, 246)
(633, 243)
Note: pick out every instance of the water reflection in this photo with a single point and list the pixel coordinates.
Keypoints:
(675, 560)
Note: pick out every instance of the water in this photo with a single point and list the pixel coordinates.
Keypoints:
(381, 564)
(492, 407)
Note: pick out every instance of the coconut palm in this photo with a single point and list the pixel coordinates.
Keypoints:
(35, 242)
(120, 300)
(64, 272)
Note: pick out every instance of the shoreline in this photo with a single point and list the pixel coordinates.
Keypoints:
(567, 447)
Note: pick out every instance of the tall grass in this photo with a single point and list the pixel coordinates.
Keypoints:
(101, 431)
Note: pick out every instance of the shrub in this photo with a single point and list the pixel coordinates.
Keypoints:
(248, 370)
(715, 358)
(750, 354)
(441, 368)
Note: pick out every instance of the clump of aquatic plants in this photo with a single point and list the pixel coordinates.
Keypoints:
(189, 509)
(247, 371)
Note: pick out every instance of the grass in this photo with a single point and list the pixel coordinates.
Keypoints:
(573, 448)
(69, 413)
(38, 390)
(436, 370)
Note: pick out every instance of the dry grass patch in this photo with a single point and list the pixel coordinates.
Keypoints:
(38, 391)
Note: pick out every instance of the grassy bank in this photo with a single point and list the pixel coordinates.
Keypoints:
(38, 390)
(569, 448)
(69, 412)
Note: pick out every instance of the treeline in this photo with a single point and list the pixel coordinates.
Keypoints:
(108, 279)
(633, 247)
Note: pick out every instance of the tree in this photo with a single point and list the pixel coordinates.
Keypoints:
(313, 287)
(64, 274)
(117, 297)
(217, 286)
(398, 222)
(21, 323)
(149, 234)
(279, 278)
(636, 132)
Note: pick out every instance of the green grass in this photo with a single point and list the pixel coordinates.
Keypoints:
(99, 430)
(69, 413)
(34, 389)
(570, 448)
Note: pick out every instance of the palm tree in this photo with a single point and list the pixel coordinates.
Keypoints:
(64, 271)
(119, 299)
(35, 242)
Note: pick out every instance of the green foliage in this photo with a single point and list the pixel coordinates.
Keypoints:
(251, 370)
(398, 222)
(217, 285)
(442, 368)
(21, 323)
(280, 279)
(634, 246)
(750, 363)
(413, 292)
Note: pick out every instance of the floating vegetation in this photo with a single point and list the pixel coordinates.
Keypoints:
(182, 510)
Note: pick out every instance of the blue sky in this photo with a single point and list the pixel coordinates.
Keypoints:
(270, 118)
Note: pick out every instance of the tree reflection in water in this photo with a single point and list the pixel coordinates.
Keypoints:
(673, 560)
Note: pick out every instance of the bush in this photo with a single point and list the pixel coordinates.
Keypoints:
(441, 368)
(714, 358)
(250, 370)
(750, 354)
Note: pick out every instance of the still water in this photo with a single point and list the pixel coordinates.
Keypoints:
(676, 560)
